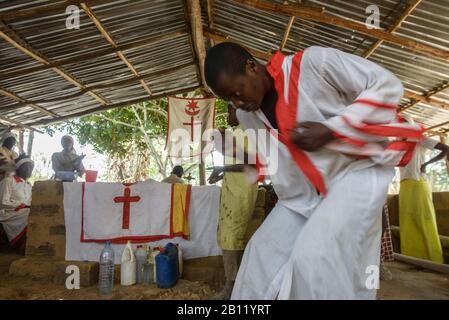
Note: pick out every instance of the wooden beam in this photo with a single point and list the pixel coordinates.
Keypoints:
(194, 9)
(425, 97)
(427, 264)
(15, 97)
(221, 38)
(110, 86)
(88, 10)
(17, 123)
(15, 40)
(286, 33)
(438, 126)
(412, 6)
(93, 54)
(311, 13)
(116, 105)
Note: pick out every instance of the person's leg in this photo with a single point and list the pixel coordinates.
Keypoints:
(266, 255)
(231, 263)
(236, 208)
(386, 246)
(338, 249)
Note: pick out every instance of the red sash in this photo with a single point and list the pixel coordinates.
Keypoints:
(286, 116)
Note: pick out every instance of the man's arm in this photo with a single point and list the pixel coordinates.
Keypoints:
(430, 144)
(374, 91)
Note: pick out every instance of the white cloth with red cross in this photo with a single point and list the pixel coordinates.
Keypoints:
(139, 213)
(323, 245)
(15, 201)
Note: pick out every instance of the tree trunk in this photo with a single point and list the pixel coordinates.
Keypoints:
(30, 143)
(21, 141)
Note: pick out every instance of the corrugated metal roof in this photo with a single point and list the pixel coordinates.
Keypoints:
(130, 22)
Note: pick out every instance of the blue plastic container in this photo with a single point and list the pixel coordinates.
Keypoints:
(167, 267)
(66, 176)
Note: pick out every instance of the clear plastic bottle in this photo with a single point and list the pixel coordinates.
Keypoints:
(141, 258)
(106, 276)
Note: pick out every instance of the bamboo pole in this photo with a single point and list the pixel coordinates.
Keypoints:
(94, 54)
(13, 38)
(105, 33)
(286, 33)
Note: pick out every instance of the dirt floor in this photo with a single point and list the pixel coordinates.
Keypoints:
(408, 283)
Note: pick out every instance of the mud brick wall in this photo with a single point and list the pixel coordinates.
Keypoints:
(46, 228)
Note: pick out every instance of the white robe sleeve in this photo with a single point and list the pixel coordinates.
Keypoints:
(377, 93)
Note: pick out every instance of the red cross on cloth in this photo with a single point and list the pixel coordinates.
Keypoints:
(126, 200)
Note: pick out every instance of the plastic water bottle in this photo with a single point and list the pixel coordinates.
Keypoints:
(141, 258)
(106, 276)
(148, 272)
(152, 261)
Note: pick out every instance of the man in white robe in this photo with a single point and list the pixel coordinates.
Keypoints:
(335, 113)
(15, 201)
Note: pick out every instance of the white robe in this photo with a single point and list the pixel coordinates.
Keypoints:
(15, 199)
(315, 247)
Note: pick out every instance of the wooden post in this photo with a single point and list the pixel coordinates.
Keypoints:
(194, 9)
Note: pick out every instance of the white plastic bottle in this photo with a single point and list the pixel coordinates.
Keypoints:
(141, 258)
(128, 266)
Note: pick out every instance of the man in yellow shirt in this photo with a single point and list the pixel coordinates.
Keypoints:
(237, 203)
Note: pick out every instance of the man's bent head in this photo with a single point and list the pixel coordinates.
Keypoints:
(234, 75)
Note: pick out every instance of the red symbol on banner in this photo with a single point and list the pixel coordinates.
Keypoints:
(126, 200)
(191, 110)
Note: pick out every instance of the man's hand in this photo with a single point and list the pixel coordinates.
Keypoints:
(311, 136)
(216, 175)
(423, 168)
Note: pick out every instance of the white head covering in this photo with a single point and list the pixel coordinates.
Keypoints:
(7, 135)
(23, 161)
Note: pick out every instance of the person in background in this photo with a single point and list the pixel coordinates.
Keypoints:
(238, 198)
(418, 227)
(7, 154)
(67, 159)
(175, 176)
(15, 201)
